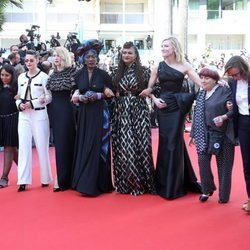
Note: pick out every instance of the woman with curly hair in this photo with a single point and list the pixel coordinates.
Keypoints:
(131, 132)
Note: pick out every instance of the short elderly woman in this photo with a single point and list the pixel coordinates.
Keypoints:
(92, 169)
(212, 132)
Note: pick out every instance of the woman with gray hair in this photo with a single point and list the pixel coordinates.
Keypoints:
(62, 84)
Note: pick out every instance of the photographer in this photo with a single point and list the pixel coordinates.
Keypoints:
(24, 45)
(72, 43)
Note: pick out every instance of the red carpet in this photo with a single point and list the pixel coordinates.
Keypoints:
(40, 219)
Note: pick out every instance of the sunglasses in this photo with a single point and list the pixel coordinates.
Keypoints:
(29, 60)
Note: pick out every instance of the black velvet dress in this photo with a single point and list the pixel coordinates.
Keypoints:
(62, 118)
(8, 118)
(174, 173)
(92, 165)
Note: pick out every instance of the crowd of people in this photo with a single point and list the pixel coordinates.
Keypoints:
(101, 121)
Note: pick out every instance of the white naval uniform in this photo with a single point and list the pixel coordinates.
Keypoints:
(33, 122)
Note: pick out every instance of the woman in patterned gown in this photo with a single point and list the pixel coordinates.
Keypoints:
(62, 84)
(174, 173)
(92, 164)
(131, 134)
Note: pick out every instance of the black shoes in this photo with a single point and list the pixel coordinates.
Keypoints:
(21, 188)
(222, 201)
(56, 190)
(45, 185)
(204, 197)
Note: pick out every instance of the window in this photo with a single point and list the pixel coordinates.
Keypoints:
(122, 12)
(213, 9)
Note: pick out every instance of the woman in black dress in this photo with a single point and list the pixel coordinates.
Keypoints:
(174, 173)
(131, 128)
(8, 120)
(61, 84)
(92, 168)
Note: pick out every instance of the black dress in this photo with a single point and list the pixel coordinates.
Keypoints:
(62, 118)
(174, 173)
(8, 118)
(92, 168)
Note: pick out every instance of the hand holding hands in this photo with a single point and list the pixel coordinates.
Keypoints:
(42, 99)
(108, 93)
(159, 103)
(146, 92)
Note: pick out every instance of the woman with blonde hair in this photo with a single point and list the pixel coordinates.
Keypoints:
(174, 172)
(61, 84)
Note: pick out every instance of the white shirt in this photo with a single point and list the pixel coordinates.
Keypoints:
(242, 97)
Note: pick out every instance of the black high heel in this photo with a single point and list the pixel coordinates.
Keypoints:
(204, 197)
(21, 188)
(56, 190)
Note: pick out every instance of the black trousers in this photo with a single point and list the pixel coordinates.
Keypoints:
(244, 138)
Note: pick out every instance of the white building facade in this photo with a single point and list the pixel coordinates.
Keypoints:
(222, 24)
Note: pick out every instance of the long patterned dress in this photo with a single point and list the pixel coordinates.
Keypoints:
(131, 138)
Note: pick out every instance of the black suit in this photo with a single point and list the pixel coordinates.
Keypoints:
(242, 129)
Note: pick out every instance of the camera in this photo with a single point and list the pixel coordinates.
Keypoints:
(2, 51)
(31, 32)
(72, 36)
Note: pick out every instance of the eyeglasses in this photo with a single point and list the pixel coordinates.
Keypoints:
(29, 60)
(235, 75)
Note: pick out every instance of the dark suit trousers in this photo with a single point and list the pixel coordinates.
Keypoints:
(244, 138)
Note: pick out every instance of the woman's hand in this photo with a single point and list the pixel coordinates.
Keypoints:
(159, 103)
(146, 92)
(27, 105)
(22, 106)
(218, 121)
(17, 97)
(108, 93)
(93, 97)
(42, 99)
(75, 97)
(83, 98)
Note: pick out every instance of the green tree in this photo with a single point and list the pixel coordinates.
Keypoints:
(3, 5)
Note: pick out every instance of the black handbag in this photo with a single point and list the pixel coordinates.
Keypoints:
(215, 141)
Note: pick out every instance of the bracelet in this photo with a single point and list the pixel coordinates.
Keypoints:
(99, 96)
(80, 98)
